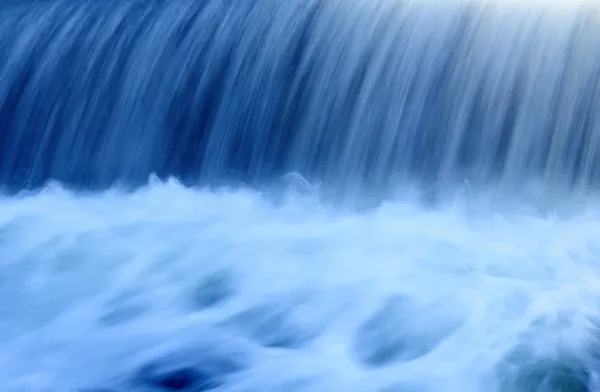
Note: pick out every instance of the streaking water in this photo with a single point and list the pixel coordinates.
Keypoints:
(358, 95)
(464, 134)
(399, 298)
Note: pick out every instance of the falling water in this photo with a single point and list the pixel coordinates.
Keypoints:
(302, 195)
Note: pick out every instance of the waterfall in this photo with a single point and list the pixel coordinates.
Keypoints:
(351, 94)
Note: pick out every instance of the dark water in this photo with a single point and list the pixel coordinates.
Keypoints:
(350, 94)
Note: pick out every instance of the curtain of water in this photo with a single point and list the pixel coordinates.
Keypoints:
(348, 93)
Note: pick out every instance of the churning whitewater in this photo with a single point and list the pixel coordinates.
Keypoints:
(301, 195)
(116, 292)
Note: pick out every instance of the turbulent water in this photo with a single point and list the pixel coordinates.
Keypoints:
(301, 195)
(295, 297)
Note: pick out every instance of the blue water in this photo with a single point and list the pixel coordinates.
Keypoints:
(311, 195)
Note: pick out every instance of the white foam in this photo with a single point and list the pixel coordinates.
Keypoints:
(92, 285)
